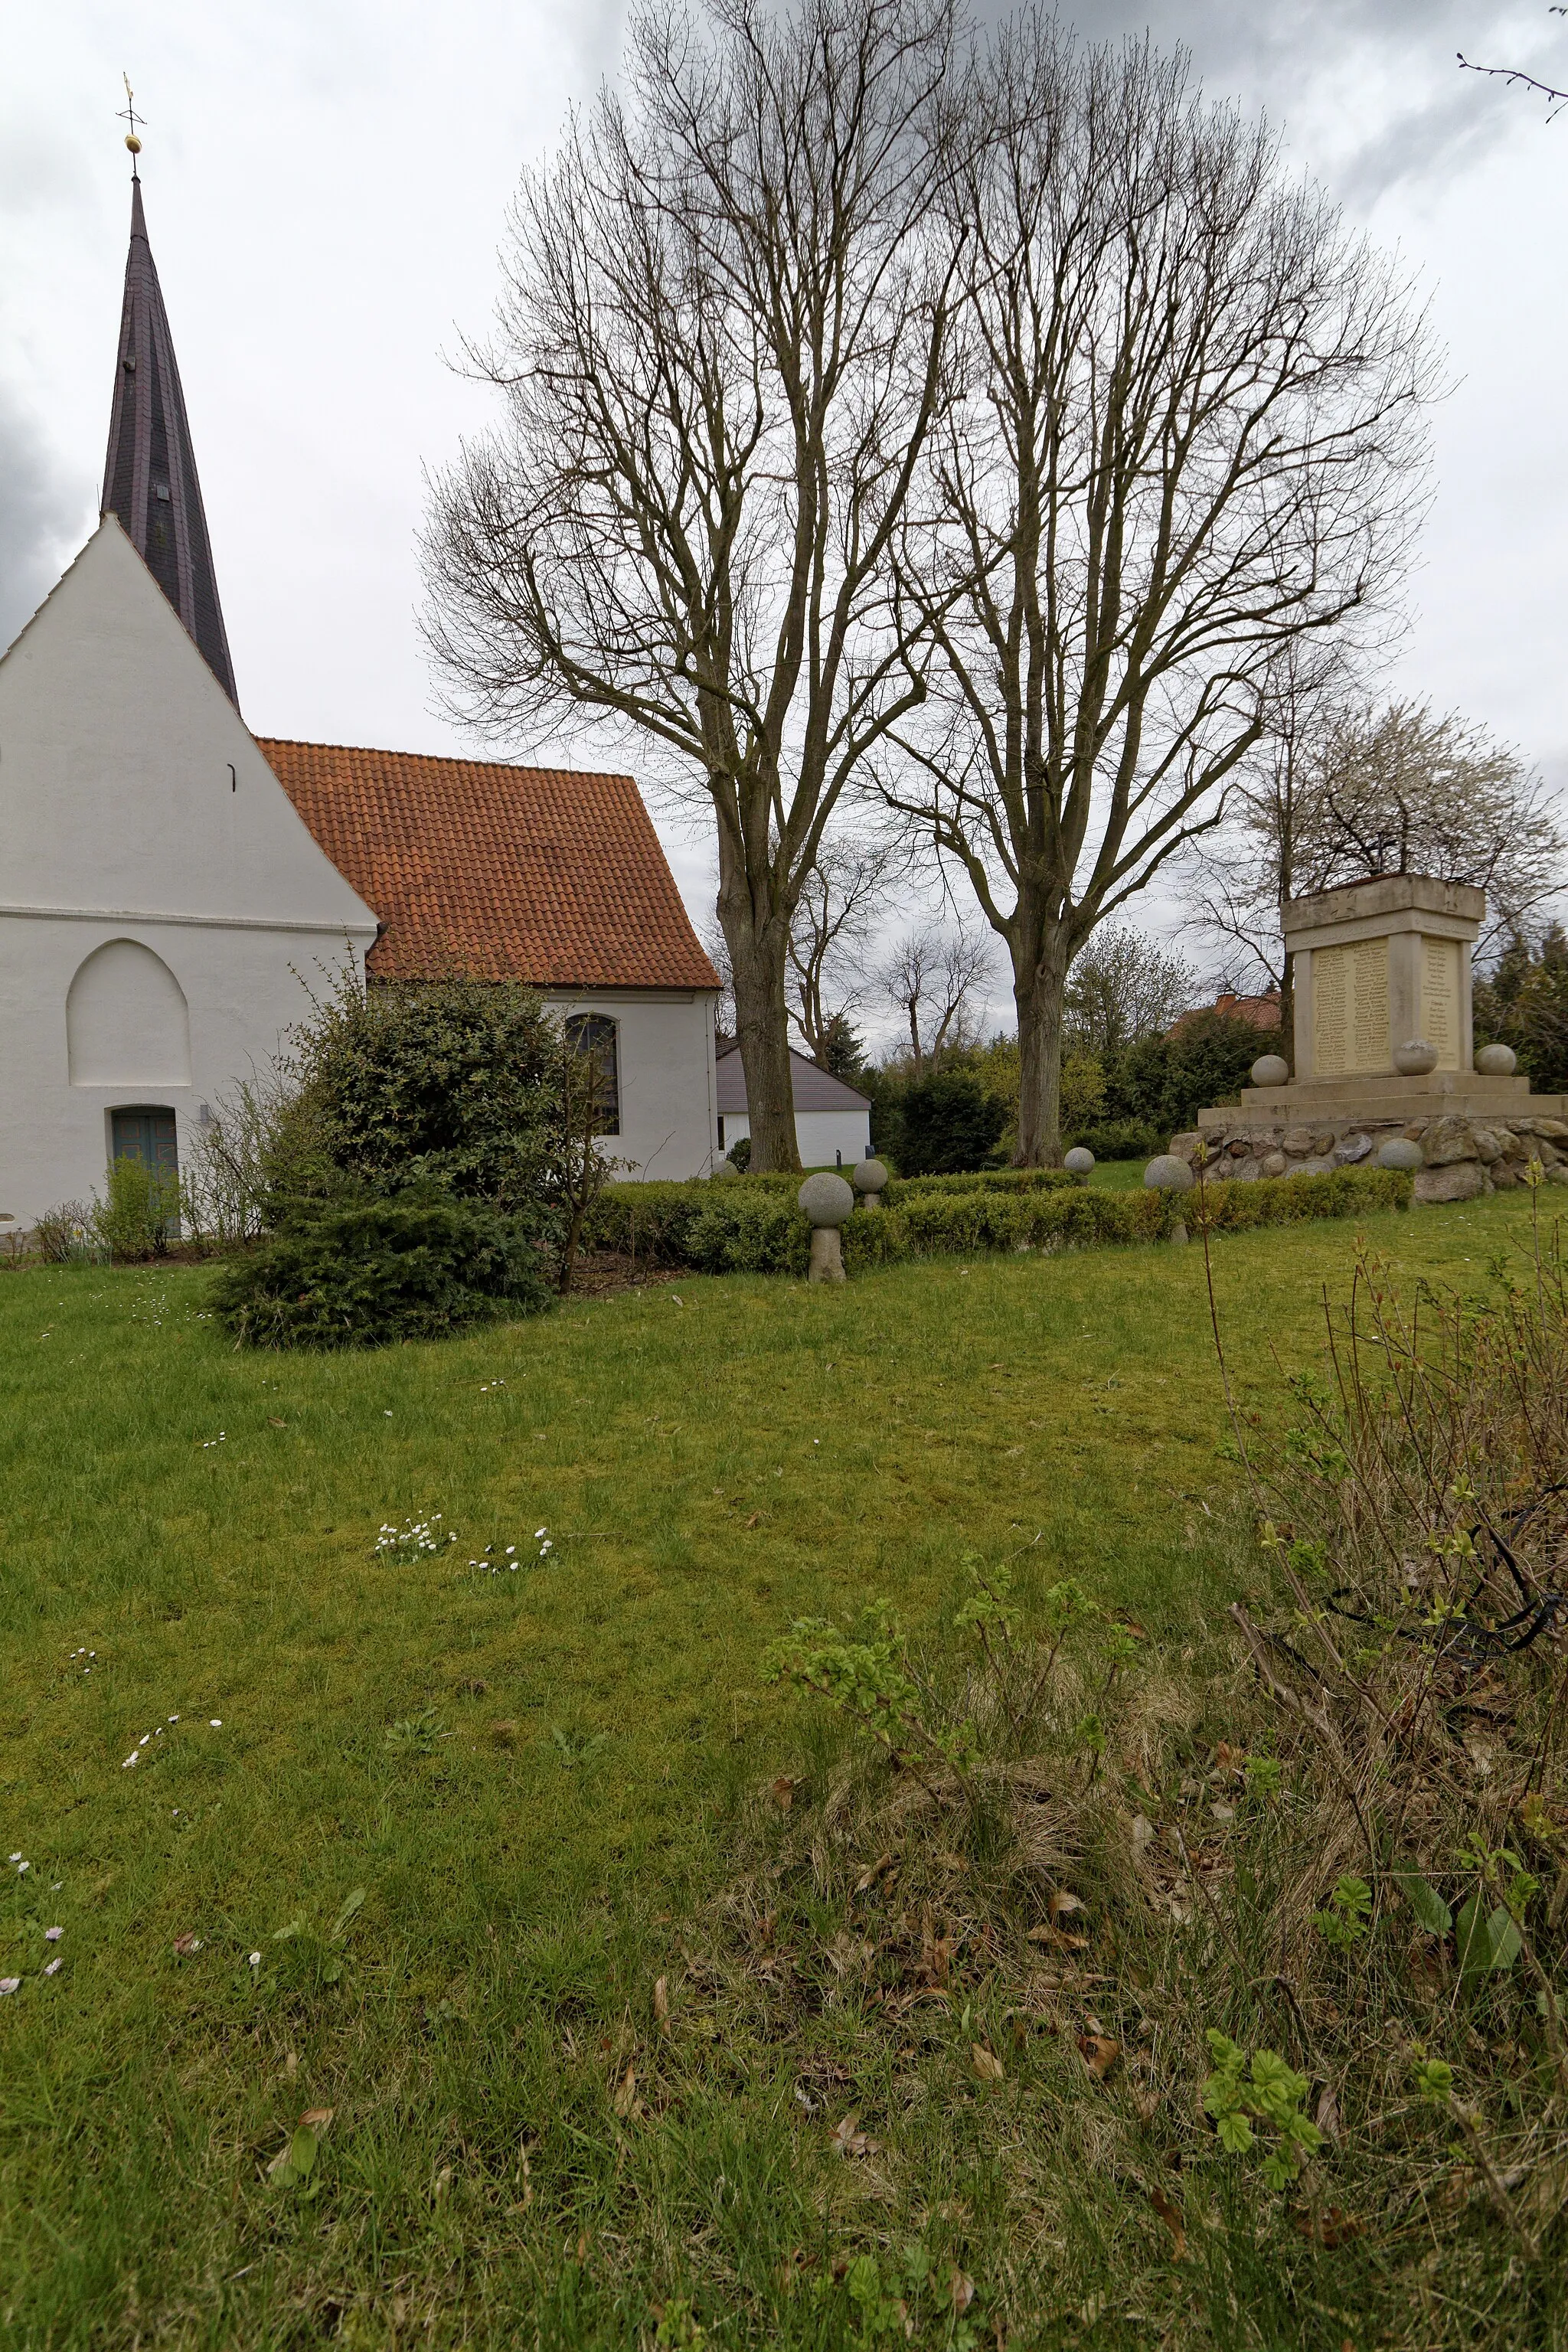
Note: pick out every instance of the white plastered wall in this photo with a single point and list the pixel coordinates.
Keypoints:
(825, 1139)
(136, 807)
(665, 1057)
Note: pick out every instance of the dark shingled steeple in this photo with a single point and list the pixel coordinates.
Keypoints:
(149, 474)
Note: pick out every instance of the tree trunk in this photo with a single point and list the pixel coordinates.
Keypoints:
(762, 1024)
(1039, 991)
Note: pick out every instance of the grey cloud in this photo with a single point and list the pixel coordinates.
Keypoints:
(41, 522)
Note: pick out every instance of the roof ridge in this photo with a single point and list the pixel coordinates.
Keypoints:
(450, 759)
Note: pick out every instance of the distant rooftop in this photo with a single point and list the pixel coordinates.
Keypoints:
(814, 1089)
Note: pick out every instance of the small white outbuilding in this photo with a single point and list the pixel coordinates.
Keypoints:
(832, 1119)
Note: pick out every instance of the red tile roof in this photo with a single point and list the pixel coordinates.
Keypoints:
(533, 874)
(1257, 1012)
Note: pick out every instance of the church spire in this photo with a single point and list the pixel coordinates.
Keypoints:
(149, 474)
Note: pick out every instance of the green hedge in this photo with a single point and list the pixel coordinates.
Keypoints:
(753, 1226)
(983, 1180)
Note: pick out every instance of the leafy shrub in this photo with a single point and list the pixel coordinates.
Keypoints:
(979, 1180)
(1126, 1138)
(1164, 1082)
(452, 1082)
(416, 1266)
(140, 1214)
(67, 1235)
(950, 1121)
(740, 1154)
(1525, 1004)
(741, 1231)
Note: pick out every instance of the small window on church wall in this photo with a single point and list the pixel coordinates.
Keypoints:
(592, 1036)
(127, 1023)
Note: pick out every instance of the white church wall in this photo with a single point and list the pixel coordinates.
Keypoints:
(664, 1053)
(148, 855)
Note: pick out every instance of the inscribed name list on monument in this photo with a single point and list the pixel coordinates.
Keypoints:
(1350, 1010)
(1440, 999)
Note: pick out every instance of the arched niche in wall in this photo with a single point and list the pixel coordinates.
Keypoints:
(127, 1022)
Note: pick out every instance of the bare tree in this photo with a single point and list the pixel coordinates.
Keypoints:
(1342, 794)
(928, 980)
(720, 352)
(1124, 986)
(839, 901)
(1188, 429)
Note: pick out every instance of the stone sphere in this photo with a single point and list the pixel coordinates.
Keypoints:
(726, 1169)
(826, 1199)
(1270, 1070)
(1168, 1174)
(1415, 1059)
(1079, 1160)
(869, 1175)
(1400, 1152)
(1497, 1061)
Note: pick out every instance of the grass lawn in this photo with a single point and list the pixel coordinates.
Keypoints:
(712, 1458)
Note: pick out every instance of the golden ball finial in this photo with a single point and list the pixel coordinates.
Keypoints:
(133, 143)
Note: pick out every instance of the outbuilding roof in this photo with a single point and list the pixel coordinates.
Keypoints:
(814, 1089)
(494, 872)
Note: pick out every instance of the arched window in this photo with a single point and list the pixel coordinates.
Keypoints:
(592, 1036)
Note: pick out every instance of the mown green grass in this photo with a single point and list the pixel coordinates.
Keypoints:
(712, 1459)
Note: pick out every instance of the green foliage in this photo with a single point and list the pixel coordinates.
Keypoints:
(1525, 1004)
(1127, 1139)
(1267, 2099)
(1164, 1082)
(950, 1121)
(1343, 1923)
(865, 1673)
(140, 1214)
(417, 1266)
(452, 1083)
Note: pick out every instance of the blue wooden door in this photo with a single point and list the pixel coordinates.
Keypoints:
(148, 1135)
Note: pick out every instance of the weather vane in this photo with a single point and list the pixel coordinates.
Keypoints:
(128, 114)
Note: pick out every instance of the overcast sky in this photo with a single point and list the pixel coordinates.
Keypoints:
(325, 184)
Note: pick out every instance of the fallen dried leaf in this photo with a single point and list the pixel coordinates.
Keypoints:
(625, 2092)
(844, 2139)
(754, 1520)
(1142, 1831)
(317, 2118)
(661, 2002)
(987, 2065)
(784, 1788)
(869, 1878)
(1061, 1902)
(276, 1424)
(960, 2290)
(1058, 1939)
(1330, 2229)
(1326, 2114)
(1171, 2217)
(1100, 2054)
(187, 1944)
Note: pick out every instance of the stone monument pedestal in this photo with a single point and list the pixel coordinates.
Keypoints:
(1382, 974)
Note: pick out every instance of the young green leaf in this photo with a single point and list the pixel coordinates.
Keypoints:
(1431, 1912)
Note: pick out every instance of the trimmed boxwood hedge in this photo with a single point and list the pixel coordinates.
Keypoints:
(753, 1226)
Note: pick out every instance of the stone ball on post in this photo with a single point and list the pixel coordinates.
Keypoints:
(1270, 1070)
(1415, 1059)
(725, 1168)
(828, 1201)
(1496, 1061)
(868, 1177)
(1399, 1151)
(1168, 1174)
(1079, 1160)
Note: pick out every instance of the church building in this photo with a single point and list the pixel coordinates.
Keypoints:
(173, 888)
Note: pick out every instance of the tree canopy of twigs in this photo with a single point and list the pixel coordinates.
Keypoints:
(1125, 986)
(719, 352)
(928, 980)
(838, 904)
(1185, 428)
(1341, 793)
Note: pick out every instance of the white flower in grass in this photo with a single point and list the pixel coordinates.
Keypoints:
(256, 1960)
(134, 1757)
(53, 1935)
(53, 1968)
(21, 1866)
(215, 1723)
(16, 1856)
(9, 1984)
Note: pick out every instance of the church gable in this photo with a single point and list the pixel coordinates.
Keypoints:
(128, 780)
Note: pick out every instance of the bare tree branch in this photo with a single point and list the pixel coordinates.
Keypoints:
(1185, 430)
(720, 354)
